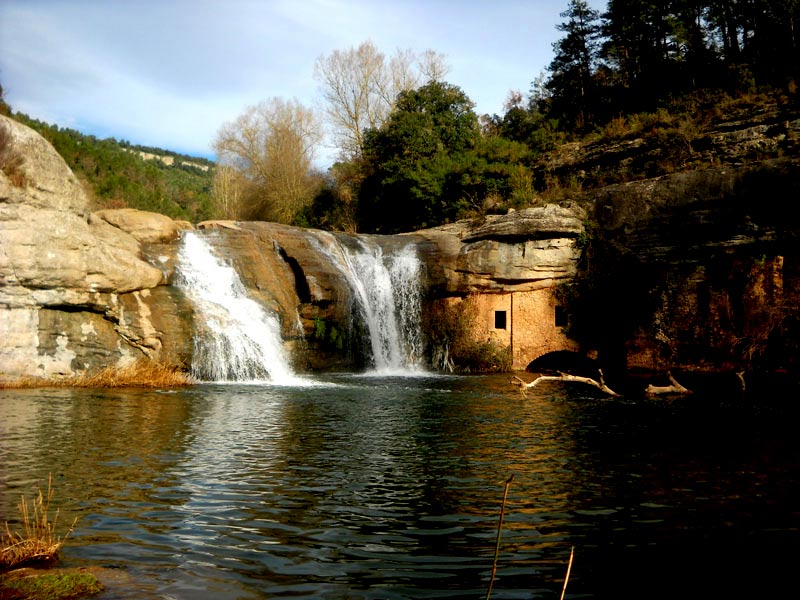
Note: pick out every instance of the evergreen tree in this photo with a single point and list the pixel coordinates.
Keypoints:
(572, 69)
(636, 46)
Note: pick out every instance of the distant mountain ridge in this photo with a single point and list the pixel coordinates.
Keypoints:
(169, 159)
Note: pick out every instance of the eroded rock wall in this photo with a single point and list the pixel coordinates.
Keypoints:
(76, 290)
(696, 271)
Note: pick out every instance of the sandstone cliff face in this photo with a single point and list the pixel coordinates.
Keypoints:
(696, 270)
(526, 250)
(75, 290)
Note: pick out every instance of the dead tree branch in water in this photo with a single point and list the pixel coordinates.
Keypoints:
(599, 384)
(675, 388)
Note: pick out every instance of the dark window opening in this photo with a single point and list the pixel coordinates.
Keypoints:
(499, 319)
(561, 316)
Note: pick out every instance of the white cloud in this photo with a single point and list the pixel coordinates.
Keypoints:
(170, 73)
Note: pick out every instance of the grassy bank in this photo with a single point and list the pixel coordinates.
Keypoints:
(147, 374)
(61, 585)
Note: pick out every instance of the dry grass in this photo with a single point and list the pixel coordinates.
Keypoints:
(147, 374)
(10, 159)
(38, 540)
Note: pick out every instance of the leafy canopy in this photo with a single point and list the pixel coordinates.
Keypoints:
(413, 160)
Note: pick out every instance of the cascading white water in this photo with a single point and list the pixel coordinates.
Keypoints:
(388, 293)
(242, 341)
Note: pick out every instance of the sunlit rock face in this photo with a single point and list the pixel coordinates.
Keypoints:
(145, 227)
(696, 269)
(524, 250)
(75, 290)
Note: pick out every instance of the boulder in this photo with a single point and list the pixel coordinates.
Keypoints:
(146, 227)
(49, 182)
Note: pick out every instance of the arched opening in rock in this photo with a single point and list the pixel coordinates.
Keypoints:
(564, 361)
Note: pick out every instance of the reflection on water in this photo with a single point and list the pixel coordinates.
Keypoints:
(375, 488)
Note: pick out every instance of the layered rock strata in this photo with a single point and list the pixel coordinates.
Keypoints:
(76, 290)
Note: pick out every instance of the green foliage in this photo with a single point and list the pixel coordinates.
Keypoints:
(530, 127)
(51, 586)
(571, 82)
(414, 163)
(119, 177)
(329, 334)
(430, 165)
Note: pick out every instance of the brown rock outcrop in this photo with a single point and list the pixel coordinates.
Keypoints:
(145, 226)
(74, 289)
(541, 222)
(522, 251)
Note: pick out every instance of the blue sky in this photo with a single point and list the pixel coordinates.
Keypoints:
(169, 73)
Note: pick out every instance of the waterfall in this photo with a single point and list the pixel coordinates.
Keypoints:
(242, 341)
(387, 297)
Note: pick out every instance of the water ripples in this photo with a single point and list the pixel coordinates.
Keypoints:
(362, 490)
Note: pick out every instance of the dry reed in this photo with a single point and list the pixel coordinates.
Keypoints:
(497, 541)
(149, 374)
(38, 540)
(569, 570)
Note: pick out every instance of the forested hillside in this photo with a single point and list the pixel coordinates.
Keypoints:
(118, 175)
(640, 89)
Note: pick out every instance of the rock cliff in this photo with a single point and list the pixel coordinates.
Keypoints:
(692, 269)
(695, 270)
(81, 290)
(76, 290)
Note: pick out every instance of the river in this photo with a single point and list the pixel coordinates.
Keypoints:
(359, 487)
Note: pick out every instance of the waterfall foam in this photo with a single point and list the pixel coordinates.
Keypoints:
(387, 294)
(242, 341)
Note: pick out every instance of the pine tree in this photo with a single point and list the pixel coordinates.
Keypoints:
(572, 69)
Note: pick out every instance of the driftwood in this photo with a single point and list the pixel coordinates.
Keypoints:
(675, 388)
(600, 385)
(740, 377)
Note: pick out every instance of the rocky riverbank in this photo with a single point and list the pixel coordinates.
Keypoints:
(690, 270)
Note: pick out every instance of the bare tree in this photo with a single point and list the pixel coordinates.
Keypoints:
(433, 66)
(227, 192)
(360, 86)
(272, 147)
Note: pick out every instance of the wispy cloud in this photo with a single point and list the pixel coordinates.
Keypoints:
(170, 73)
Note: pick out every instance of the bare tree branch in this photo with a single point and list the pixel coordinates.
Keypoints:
(600, 385)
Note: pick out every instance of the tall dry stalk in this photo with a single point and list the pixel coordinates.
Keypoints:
(569, 570)
(38, 541)
(499, 529)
